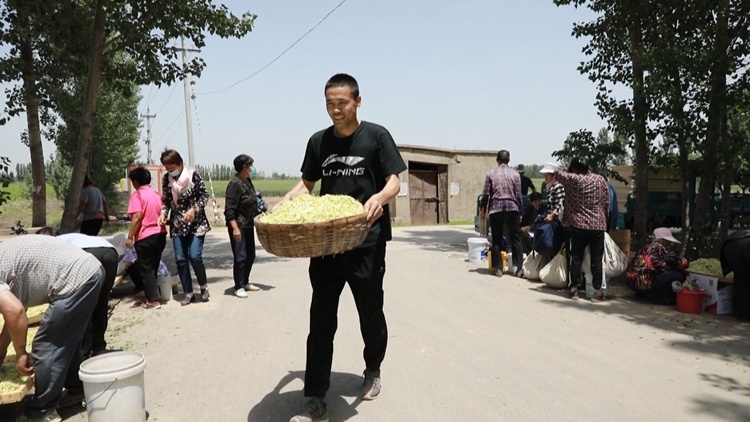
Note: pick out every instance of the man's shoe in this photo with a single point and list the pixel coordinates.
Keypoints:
(499, 273)
(240, 293)
(251, 288)
(205, 295)
(371, 385)
(70, 400)
(519, 273)
(187, 299)
(51, 416)
(315, 411)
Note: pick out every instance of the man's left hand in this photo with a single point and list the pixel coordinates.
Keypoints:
(23, 364)
(374, 210)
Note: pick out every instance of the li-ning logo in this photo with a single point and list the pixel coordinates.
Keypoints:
(349, 161)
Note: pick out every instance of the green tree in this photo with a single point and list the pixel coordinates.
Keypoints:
(5, 179)
(115, 138)
(143, 31)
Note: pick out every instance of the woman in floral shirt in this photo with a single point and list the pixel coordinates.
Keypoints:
(184, 198)
(653, 269)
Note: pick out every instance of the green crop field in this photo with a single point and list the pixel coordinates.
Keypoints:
(269, 188)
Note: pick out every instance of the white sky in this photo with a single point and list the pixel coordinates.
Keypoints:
(475, 74)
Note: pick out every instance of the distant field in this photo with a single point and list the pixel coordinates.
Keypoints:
(269, 188)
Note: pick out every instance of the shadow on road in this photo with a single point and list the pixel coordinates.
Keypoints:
(443, 240)
(282, 406)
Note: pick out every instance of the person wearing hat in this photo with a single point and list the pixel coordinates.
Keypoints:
(554, 191)
(735, 257)
(526, 182)
(654, 267)
(240, 209)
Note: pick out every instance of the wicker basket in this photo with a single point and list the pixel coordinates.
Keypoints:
(308, 240)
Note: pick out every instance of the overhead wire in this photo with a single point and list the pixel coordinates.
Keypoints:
(226, 89)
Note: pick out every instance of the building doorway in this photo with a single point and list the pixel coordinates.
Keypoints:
(428, 193)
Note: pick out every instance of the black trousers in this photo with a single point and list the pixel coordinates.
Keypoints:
(91, 227)
(736, 252)
(149, 252)
(498, 222)
(660, 292)
(94, 339)
(363, 269)
(579, 239)
(134, 272)
(244, 256)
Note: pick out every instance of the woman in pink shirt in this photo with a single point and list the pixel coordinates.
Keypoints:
(149, 237)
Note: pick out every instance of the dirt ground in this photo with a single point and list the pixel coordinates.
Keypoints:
(463, 345)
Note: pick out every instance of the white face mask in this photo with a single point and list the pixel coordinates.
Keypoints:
(175, 173)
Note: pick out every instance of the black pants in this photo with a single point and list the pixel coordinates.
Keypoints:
(660, 292)
(244, 256)
(56, 349)
(134, 272)
(363, 269)
(94, 341)
(579, 239)
(736, 252)
(498, 221)
(149, 252)
(91, 227)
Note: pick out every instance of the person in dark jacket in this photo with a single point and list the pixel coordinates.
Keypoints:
(735, 257)
(240, 209)
(530, 213)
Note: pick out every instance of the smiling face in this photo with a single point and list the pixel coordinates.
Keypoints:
(342, 108)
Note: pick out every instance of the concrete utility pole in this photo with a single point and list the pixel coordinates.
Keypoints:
(148, 116)
(188, 114)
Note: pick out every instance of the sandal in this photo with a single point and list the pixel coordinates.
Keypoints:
(596, 298)
(151, 305)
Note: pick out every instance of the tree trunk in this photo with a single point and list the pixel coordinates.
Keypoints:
(640, 109)
(701, 224)
(726, 188)
(31, 100)
(93, 83)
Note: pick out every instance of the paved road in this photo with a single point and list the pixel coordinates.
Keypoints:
(463, 345)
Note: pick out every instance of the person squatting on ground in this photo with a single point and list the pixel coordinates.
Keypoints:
(735, 257)
(359, 159)
(184, 198)
(240, 209)
(501, 199)
(586, 212)
(35, 270)
(654, 267)
(92, 208)
(128, 265)
(94, 343)
(535, 209)
(146, 234)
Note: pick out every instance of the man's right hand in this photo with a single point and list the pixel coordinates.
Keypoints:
(23, 364)
(483, 214)
(237, 234)
(549, 218)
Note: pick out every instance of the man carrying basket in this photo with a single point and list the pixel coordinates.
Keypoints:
(359, 159)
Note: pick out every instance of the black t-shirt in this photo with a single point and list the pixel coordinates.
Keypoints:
(357, 165)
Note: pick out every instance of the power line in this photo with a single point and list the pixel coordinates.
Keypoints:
(224, 90)
(168, 127)
(167, 100)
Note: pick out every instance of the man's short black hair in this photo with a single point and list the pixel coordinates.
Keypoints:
(341, 80)
(579, 165)
(503, 156)
(535, 196)
(48, 231)
(140, 175)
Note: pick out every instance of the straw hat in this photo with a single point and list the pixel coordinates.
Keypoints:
(664, 233)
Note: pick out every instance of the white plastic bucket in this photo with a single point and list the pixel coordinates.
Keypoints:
(476, 246)
(165, 287)
(113, 386)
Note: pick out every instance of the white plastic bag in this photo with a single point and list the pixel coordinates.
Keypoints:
(554, 274)
(533, 263)
(615, 260)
